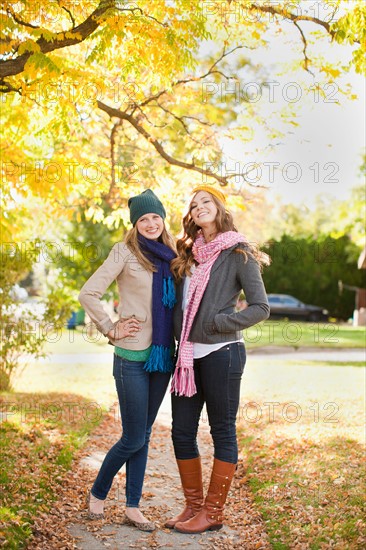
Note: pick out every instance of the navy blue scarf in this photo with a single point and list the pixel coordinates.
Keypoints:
(163, 300)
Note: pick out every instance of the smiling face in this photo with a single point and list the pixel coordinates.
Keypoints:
(150, 226)
(203, 210)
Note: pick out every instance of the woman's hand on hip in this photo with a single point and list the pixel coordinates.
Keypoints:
(124, 328)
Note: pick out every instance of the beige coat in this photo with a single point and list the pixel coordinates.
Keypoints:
(135, 295)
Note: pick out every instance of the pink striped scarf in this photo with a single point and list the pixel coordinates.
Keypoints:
(205, 254)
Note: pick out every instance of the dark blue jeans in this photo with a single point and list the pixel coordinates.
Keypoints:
(217, 378)
(140, 395)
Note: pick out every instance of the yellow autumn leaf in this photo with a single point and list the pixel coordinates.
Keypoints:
(331, 71)
(28, 46)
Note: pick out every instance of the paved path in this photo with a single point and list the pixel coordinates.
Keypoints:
(67, 527)
(162, 498)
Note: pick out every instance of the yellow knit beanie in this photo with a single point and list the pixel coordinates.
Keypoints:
(210, 189)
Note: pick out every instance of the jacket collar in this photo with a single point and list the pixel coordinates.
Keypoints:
(222, 257)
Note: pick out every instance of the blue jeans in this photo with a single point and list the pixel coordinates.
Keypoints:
(140, 395)
(217, 377)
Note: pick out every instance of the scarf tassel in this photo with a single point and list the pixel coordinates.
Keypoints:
(160, 360)
(169, 298)
(183, 382)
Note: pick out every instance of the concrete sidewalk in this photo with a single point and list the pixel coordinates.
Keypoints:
(162, 498)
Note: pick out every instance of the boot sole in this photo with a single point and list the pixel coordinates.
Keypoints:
(212, 528)
(172, 526)
(169, 525)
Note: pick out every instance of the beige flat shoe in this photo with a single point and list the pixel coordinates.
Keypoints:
(141, 525)
(92, 515)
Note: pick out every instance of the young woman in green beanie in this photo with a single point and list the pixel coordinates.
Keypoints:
(214, 264)
(143, 340)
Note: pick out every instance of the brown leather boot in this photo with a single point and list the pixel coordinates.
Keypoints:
(210, 518)
(191, 477)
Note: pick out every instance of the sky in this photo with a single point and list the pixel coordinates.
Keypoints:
(324, 152)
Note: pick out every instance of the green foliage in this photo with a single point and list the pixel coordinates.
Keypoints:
(89, 244)
(351, 28)
(310, 269)
(13, 269)
(330, 216)
(350, 216)
(25, 327)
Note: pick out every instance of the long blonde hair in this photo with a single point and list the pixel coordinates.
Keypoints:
(131, 240)
(224, 221)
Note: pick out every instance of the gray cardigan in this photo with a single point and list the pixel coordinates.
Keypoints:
(216, 320)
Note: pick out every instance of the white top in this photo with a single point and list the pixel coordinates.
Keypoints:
(201, 350)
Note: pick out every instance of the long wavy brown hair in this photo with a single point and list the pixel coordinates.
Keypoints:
(131, 240)
(182, 265)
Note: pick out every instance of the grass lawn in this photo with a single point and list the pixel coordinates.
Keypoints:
(72, 363)
(39, 436)
(79, 340)
(299, 334)
(302, 441)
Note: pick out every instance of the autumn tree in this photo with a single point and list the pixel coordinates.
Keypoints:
(75, 73)
(103, 98)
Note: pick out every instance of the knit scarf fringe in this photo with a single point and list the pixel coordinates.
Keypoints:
(159, 360)
(169, 298)
(183, 382)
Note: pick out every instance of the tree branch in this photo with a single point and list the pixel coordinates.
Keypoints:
(144, 14)
(122, 115)
(11, 67)
(135, 122)
(109, 195)
(113, 112)
(306, 59)
(6, 88)
(288, 15)
(203, 122)
(282, 12)
(181, 121)
(17, 19)
(194, 78)
(70, 15)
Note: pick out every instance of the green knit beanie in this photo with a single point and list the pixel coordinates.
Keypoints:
(145, 203)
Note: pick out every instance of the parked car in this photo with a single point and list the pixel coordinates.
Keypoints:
(284, 305)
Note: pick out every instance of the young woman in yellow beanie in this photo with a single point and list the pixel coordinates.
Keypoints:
(214, 264)
(143, 339)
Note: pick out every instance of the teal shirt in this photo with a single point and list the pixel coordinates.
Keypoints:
(138, 355)
(133, 355)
